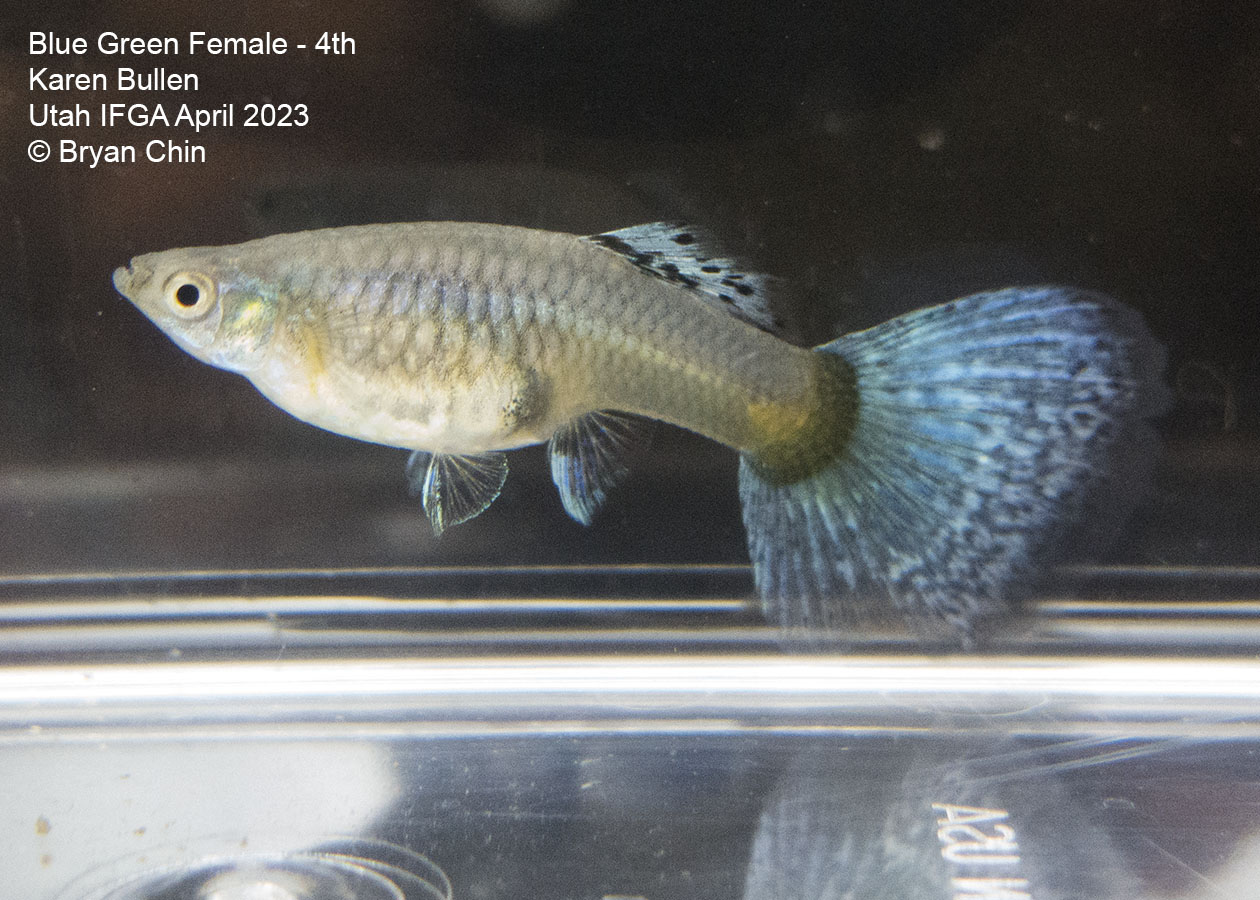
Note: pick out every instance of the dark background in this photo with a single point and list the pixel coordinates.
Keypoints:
(881, 155)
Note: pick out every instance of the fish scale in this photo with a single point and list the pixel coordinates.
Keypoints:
(594, 300)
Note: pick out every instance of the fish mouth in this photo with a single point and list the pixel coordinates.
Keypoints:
(132, 277)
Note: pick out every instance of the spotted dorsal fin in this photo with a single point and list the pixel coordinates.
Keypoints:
(686, 255)
(455, 488)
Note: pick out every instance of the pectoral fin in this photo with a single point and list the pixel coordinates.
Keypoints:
(455, 488)
(590, 455)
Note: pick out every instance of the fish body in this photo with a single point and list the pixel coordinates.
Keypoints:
(466, 338)
(911, 468)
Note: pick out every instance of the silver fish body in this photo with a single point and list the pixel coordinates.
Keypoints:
(465, 338)
(920, 470)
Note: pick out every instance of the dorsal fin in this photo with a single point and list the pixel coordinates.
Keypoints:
(686, 255)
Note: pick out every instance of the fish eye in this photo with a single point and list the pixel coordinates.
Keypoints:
(187, 294)
(190, 295)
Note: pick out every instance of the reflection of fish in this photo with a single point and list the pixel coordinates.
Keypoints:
(915, 467)
(936, 826)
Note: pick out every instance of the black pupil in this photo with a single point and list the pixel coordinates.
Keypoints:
(187, 295)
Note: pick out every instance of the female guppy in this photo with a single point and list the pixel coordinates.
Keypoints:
(916, 469)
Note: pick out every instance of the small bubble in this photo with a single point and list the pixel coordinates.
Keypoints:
(931, 138)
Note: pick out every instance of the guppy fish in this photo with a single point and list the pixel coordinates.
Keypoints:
(915, 470)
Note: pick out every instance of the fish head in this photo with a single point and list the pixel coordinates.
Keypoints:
(205, 303)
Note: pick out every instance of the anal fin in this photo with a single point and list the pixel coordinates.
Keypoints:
(590, 456)
(455, 488)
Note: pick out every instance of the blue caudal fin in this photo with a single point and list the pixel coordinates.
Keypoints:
(983, 426)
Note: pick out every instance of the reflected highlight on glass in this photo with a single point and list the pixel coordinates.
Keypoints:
(347, 869)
